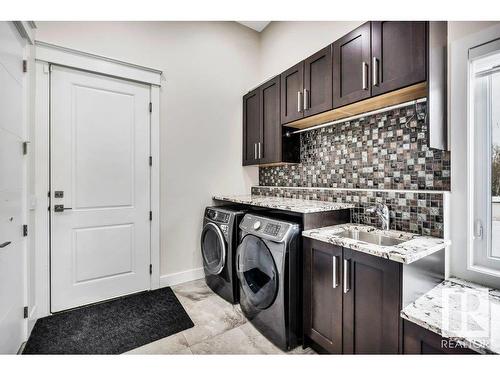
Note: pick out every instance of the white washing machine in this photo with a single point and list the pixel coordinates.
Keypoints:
(268, 271)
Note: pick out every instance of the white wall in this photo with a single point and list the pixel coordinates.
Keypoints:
(284, 44)
(208, 66)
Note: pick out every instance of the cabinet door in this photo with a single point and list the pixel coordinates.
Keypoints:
(418, 340)
(398, 55)
(323, 294)
(251, 127)
(351, 67)
(371, 287)
(318, 82)
(269, 149)
(292, 86)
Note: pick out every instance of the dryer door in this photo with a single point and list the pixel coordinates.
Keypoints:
(213, 249)
(257, 272)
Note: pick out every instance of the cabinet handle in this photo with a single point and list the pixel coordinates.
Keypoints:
(299, 101)
(334, 272)
(347, 275)
(306, 99)
(364, 75)
(375, 71)
(260, 155)
(255, 151)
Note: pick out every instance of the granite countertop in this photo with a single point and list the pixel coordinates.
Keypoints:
(445, 308)
(414, 248)
(304, 206)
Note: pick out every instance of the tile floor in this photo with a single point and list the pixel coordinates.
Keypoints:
(220, 328)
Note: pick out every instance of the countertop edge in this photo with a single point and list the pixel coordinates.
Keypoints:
(393, 257)
(348, 206)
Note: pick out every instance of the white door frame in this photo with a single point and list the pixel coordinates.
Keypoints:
(45, 56)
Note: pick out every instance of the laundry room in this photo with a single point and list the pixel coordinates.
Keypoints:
(190, 186)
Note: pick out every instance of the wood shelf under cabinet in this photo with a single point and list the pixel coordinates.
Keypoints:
(406, 94)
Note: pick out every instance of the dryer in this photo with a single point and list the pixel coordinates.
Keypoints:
(219, 240)
(269, 274)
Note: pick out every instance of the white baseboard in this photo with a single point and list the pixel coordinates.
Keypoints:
(181, 277)
(32, 319)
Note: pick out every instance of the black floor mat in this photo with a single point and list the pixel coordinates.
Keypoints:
(110, 327)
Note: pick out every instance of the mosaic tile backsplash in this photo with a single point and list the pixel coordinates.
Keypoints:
(383, 151)
(414, 212)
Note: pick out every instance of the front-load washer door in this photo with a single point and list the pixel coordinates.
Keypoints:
(257, 272)
(213, 249)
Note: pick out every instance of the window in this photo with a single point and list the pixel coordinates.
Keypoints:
(484, 153)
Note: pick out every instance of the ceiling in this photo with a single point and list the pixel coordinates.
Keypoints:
(255, 25)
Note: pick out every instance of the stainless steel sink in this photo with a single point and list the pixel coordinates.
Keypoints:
(376, 239)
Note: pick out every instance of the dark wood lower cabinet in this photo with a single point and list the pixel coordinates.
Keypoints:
(418, 340)
(352, 300)
(372, 303)
(323, 291)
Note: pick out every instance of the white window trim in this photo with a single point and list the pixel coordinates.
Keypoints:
(478, 248)
(459, 225)
(46, 55)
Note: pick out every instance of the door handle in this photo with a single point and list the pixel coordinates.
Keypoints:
(299, 101)
(335, 280)
(5, 244)
(306, 99)
(364, 75)
(61, 208)
(375, 71)
(347, 275)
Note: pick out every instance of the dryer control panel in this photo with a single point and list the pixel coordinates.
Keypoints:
(275, 230)
(217, 215)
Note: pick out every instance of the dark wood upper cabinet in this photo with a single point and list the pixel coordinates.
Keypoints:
(251, 127)
(372, 302)
(323, 294)
(271, 143)
(398, 55)
(263, 141)
(292, 86)
(351, 67)
(318, 82)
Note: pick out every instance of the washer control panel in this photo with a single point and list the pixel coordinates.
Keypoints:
(264, 227)
(272, 229)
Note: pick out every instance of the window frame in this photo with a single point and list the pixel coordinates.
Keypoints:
(479, 247)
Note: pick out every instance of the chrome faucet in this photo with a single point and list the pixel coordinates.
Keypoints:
(382, 212)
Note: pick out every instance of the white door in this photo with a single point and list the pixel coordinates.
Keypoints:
(12, 247)
(100, 147)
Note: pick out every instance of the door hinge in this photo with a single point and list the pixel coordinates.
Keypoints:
(150, 269)
(150, 161)
(25, 230)
(150, 107)
(150, 215)
(25, 148)
(25, 312)
(25, 66)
